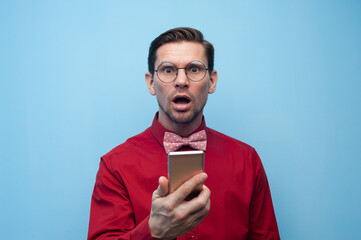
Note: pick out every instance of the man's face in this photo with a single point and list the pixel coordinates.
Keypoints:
(181, 101)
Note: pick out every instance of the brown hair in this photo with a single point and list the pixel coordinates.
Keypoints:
(177, 35)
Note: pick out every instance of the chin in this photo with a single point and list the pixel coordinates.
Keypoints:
(183, 117)
(186, 117)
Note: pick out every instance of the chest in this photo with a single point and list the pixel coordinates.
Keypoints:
(230, 180)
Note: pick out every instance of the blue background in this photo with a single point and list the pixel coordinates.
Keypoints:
(72, 88)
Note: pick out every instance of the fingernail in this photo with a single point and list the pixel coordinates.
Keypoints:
(203, 176)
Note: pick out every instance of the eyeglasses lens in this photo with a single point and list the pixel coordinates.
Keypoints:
(196, 71)
(167, 72)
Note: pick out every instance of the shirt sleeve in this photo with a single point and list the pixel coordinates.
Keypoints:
(111, 214)
(262, 219)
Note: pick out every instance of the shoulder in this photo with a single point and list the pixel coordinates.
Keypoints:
(232, 150)
(129, 149)
(219, 138)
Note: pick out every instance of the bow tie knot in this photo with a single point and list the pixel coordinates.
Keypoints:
(172, 142)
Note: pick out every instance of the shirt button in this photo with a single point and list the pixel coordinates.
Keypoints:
(192, 236)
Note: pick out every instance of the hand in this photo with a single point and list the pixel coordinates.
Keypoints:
(171, 215)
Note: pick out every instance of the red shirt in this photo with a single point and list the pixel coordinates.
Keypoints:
(241, 204)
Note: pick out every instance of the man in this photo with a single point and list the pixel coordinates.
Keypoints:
(128, 204)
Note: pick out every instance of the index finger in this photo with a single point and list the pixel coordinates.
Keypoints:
(188, 187)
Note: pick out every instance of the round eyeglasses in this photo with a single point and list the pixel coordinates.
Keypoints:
(168, 72)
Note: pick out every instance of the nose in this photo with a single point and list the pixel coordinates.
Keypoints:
(181, 80)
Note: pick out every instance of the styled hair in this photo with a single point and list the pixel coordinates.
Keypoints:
(178, 35)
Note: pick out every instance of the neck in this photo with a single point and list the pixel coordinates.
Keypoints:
(182, 129)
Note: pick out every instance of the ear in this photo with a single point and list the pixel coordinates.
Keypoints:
(213, 82)
(150, 83)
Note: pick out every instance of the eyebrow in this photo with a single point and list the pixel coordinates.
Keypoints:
(184, 66)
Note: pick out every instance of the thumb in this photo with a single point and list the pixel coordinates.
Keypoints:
(162, 189)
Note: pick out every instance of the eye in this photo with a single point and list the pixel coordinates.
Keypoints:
(194, 69)
(167, 69)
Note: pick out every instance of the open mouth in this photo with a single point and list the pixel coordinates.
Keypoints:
(181, 100)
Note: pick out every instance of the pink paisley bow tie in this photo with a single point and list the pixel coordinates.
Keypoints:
(172, 142)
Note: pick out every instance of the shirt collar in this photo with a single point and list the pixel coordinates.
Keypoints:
(158, 130)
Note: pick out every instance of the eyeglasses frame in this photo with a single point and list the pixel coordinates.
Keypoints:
(206, 69)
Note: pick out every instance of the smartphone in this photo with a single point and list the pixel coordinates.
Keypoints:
(182, 166)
